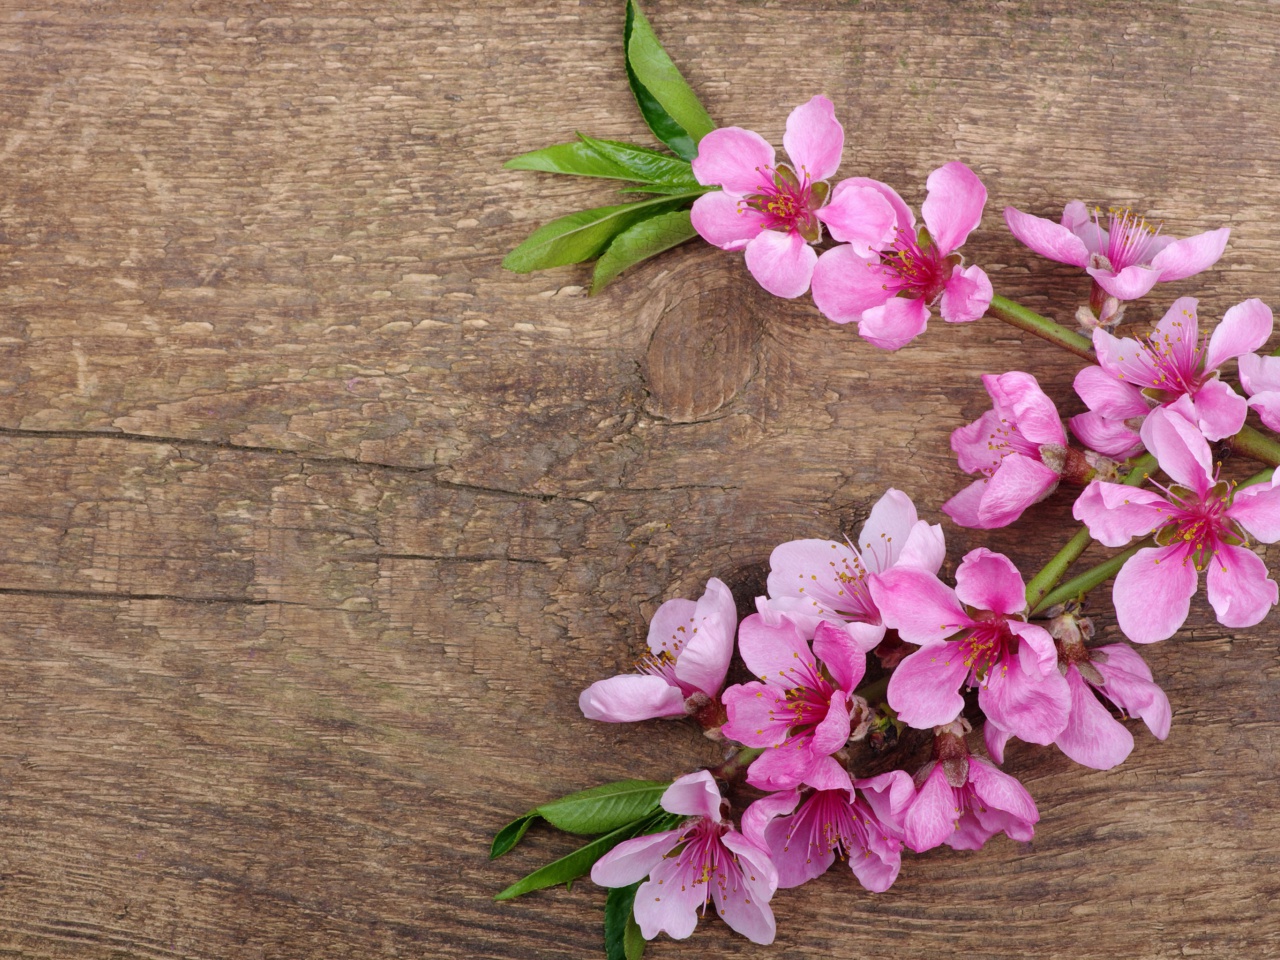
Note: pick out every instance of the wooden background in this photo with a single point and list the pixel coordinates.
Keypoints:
(315, 521)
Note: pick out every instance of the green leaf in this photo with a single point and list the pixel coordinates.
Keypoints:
(577, 158)
(583, 235)
(637, 243)
(622, 938)
(646, 166)
(510, 835)
(659, 188)
(606, 807)
(667, 103)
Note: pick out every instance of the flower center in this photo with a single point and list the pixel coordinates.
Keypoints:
(985, 648)
(788, 201)
(807, 702)
(914, 267)
(1201, 524)
(1004, 440)
(1129, 237)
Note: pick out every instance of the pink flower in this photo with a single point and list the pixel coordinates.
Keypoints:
(801, 712)
(1014, 663)
(1019, 446)
(1127, 258)
(1092, 736)
(890, 289)
(832, 818)
(815, 580)
(690, 646)
(1260, 377)
(775, 211)
(964, 805)
(1199, 524)
(703, 859)
(1175, 361)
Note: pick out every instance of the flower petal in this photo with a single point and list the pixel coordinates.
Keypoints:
(924, 689)
(1238, 587)
(757, 715)
(1127, 359)
(1129, 686)
(989, 581)
(744, 906)
(1152, 593)
(814, 139)
(1183, 258)
(782, 263)
(738, 160)
(844, 660)
(1220, 411)
(1034, 414)
(1257, 509)
(1001, 791)
(1244, 328)
(1130, 283)
(1018, 483)
(1109, 437)
(1259, 374)
(966, 296)
(668, 902)
(1047, 238)
(632, 860)
(631, 697)
(972, 443)
(1180, 448)
(704, 660)
(781, 768)
(895, 323)
(1115, 513)
(886, 530)
(758, 818)
(965, 508)
(926, 547)
(1032, 708)
(672, 626)
(995, 739)
(846, 285)
(725, 221)
(693, 795)
(1111, 398)
(918, 605)
(832, 732)
(953, 207)
(1092, 737)
(860, 217)
(904, 218)
(931, 817)
(773, 653)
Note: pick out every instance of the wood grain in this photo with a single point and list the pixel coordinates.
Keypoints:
(315, 521)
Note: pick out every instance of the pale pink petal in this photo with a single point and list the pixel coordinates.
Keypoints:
(1111, 438)
(972, 443)
(773, 652)
(989, 581)
(1032, 708)
(1130, 687)
(885, 532)
(1180, 448)
(738, 160)
(953, 207)
(631, 697)
(672, 626)
(875, 869)
(841, 655)
(965, 508)
(1126, 359)
(759, 817)
(860, 217)
(1047, 238)
(895, 323)
(1018, 483)
(1037, 654)
(1001, 791)
(966, 295)
(725, 221)
(918, 605)
(930, 819)
(1115, 513)
(757, 715)
(1178, 333)
(905, 219)
(1257, 509)
(995, 740)
(926, 547)
(1183, 258)
(924, 688)
(782, 263)
(781, 768)
(693, 795)
(832, 732)
(864, 636)
(1152, 593)
(846, 285)
(1129, 284)
(1076, 215)
(1259, 374)
(668, 901)
(827, 773)
(1092, 737)
(744, 906)
(704, 661)
(814, 139)
(1244, 328)
(1220, 411)
(1033, 412)
(888, 795)
(632, 860)
(1104, 394)
(1238, 587)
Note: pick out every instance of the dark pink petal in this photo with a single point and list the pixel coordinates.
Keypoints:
(845, 284)
(1152, 593)
(1036, 650)
(989, 581)
(632, 860)
(1047, 238)
(1018, 483)
(972, 443)
(832, 732)
(1130, 687)
(924, 689)
(1183, 258)
(1033, 412)
(1257, 509)
(693, 795)
(905, 219)
(1259, 374)
(860, 217)
(918, 605)
(1032, 708)
(758, 715)
(844, 660)
(966, 296)
(931, 817)
(1244, 328)
(1001, 791)
(965, 508)
(1220, 411)
(1238, 587)
(672, 626)
(1178, 334)
(738, 160)
(631, 697)
(772, 653)
(781, 768)
(814, 139)
(1129, 284)
(782, 263)
(1111, 398)
(1109, 437)
(1115, 513)
(1092, 737)
(1126, 359)
(725, 221)
(888, 527)
(827, 773)
(953, 207)
(743, 900)
(888, 795)
(668, 902)
(876, 870)
(995, 740)
(704, 661)
(972, 832)
(1180, 448)
(759, 818)
(894, 324)
(798, 860)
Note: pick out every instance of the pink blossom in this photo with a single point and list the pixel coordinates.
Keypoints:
(1133, 375)
(690, 646)
(1092, 736)
(1020, 448)
(815, 580)
(775, 211)
(1260, 377)
(1126, 258)
(890, 288)
(801, 712)
(804, 832)
(703, 859)
(1013, 663)
(1199, 524)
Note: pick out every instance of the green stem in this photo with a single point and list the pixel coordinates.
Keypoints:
(1079, 586)
(1053, 571)
(1263, 477)
(1016, 315)
(1255, 445)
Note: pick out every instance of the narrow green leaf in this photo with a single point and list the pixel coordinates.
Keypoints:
(622, 939)
(606, 807)
(510, 835)
(637, 243)
(659, 188)
(571, 866)
(583, 235)
(646, 166)
(577, 158)
(667, 97)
